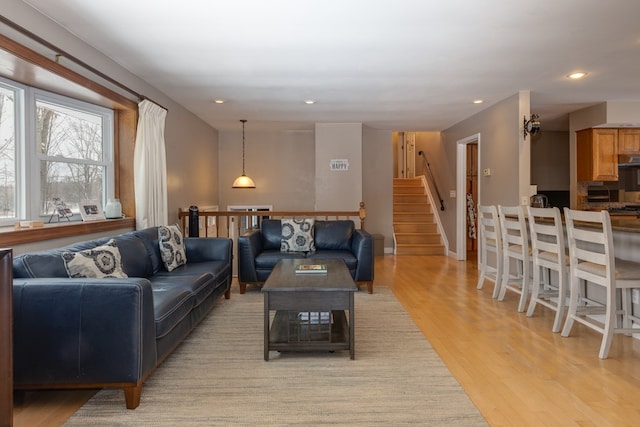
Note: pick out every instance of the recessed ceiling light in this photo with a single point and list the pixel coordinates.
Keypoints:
(478, 101)
(577, 75)
(309, 101)
(219, 101)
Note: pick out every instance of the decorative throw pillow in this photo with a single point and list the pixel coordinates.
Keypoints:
(172, 246)
(297, 235)
(101, 261)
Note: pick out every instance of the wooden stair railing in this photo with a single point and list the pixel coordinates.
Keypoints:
(227, 219)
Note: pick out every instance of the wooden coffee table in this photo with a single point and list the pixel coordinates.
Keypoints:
(309, 308)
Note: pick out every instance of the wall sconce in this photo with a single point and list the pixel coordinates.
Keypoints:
(531, 126)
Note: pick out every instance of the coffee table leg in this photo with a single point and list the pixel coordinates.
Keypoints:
(352, 327)
(266, 326)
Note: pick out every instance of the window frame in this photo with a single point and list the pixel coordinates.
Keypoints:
(107, 115)
(20, 167)
(28, 158)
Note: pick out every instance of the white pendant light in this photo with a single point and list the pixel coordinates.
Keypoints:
(243, 181)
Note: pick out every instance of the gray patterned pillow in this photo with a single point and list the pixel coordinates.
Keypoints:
(297, 235)
(172, 246)
(101, 261)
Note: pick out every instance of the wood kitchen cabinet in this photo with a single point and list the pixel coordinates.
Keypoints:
(629, 141)
(597, 154)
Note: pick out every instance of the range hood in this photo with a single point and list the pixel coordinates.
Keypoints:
(628, 161)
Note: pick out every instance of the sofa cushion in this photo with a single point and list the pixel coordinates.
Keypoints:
(334, 235)
(268, 259)
(347, 256)
(189, 274)
(48, 263)
(200, 285)
(297, 235)
(101, 261)
(136, 261)
(171, 246)
(149, 237)
(271, 234)
(171, 304)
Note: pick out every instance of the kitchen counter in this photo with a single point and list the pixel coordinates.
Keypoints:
(625, 223)
(626, 235)
(621, 219)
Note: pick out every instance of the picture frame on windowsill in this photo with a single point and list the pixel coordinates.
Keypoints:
(59, 210)
(91, 210)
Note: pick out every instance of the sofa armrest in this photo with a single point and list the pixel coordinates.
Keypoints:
(74, 331)
(362, 248)
(249, 246)
(201, 249)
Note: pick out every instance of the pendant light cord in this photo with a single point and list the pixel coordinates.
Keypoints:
(243, 122)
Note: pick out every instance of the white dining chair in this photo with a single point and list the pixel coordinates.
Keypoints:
(548, 254)
(490, 246)
(592, 262)
(515, 247)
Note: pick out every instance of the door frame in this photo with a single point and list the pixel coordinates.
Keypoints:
(461, 193)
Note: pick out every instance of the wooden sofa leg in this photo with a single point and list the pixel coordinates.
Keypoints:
(132, 396)
(227, 293)
(370, 287)
(243, 288)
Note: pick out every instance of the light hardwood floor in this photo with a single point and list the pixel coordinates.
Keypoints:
(513, 368)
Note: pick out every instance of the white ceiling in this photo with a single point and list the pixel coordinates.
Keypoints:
(390, 64)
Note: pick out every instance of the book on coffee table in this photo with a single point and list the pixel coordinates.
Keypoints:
(315, 317)
(311, 268)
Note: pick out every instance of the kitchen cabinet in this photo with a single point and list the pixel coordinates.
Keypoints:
(629, 141)
(597, 154)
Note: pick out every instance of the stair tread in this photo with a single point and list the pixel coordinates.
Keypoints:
(415, 229)
(419, 233)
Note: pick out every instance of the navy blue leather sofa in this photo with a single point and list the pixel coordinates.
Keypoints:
(259, 250)
(111, 332)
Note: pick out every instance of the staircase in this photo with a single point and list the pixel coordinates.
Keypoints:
(414, 228)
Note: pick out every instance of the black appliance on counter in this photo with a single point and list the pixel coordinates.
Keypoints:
(557, 198)
(630, 210)
(602, 193)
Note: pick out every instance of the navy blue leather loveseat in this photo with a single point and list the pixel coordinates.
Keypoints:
(111, 332)
(260, 250)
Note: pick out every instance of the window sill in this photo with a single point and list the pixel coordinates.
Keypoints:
(10, 236)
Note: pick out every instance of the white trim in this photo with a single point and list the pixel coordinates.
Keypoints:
(436, 215)
(461, 202)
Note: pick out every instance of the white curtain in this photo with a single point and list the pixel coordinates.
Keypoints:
(150, 167)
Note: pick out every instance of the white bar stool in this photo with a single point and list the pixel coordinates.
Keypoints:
(490, 242)
(592, 259)
(548, 253)
(515, 245)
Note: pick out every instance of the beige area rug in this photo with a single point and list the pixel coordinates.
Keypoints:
(218, 377)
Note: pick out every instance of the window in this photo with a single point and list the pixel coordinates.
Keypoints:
(10, 102)
(65, 156)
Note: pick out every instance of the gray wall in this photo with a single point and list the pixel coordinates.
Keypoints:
(377, 182)
(338, 190)
(499, 127)
(550, 161)
(283, 167)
